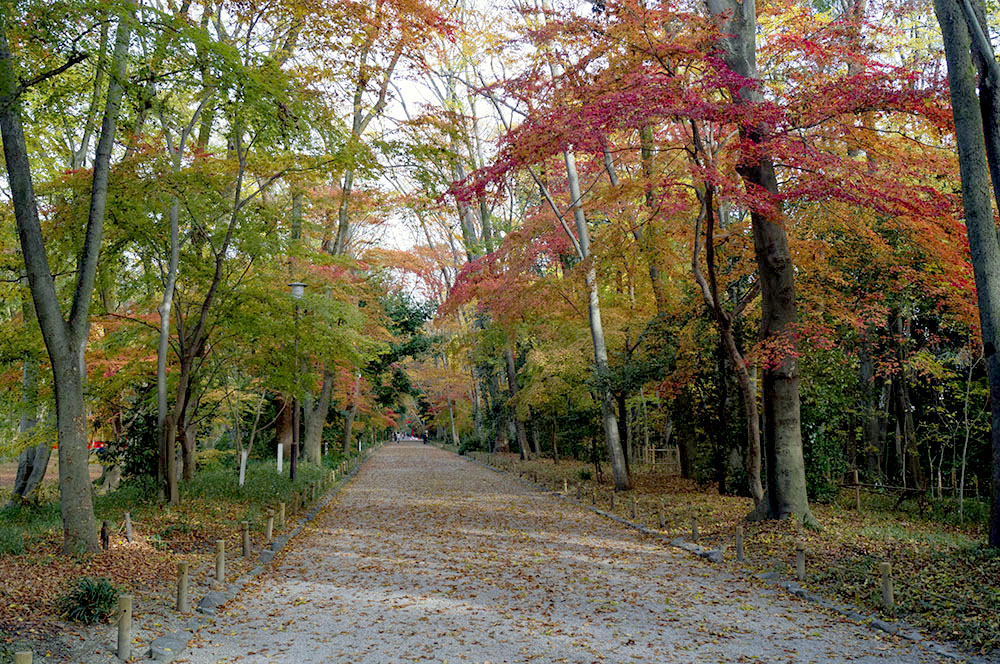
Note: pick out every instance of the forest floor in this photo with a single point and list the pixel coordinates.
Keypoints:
(34, 574)
(424, 556)
(945, 578)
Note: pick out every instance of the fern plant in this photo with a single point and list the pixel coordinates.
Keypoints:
(89, 601)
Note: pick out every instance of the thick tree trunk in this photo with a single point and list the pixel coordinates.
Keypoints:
(983, 244)
(189, 459)
(65, 338)
(786, 480)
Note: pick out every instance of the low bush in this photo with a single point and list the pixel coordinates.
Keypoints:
(89, 601)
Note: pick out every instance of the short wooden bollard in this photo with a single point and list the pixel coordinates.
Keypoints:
(857, 492)
(22, 657)
(593, 497)
(565, 487)
(659, 516)
(220, 561)
(800, 561)
(611, 500)
(125, 627)
(128, 527)
(281, 515)
(635, 508)
(885, 569)
(246, 538)
(694, 530)
(579, 491)
(269, 529)
(182, 587)
(739, 543)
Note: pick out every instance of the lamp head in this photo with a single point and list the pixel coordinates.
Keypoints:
(298, 289)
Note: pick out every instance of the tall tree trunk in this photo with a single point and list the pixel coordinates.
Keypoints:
(65, 338)
(983, 244)
(786, 478)
(619, 468)
(33, 462)
(724, 322)
(351, 413)
(167, 469)
(522, 436)
(315, 419)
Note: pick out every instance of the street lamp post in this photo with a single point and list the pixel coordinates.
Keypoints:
(298, 290)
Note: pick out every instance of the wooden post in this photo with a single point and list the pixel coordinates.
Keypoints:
(579, 491)
(659, 515)
(281, 515)
(800, 561)
(593, 496)
(220, 561)
(694, 529)
(885, 569)
(128, 527)
(565, 487)
(611, 497)
(246, 538)
(22, 657)
(269, 529)
(857, 492)
(125, 627)
(635, 508)
(182, 587)
(739, 543)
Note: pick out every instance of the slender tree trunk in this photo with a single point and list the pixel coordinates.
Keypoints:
(351, 413)
(983, 244)
(167, 470)
(315, 420)
(619, 468)
(522, 436)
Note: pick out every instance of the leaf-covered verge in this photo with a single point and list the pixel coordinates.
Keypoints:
(945, 578)
(212, 508)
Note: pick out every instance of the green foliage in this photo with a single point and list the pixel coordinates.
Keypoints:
(89, 601)
(215, 459)
(584, 475)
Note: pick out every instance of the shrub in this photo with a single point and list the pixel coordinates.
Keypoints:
(89, 601)
(11, 541)
(216, 458)
(584, 474)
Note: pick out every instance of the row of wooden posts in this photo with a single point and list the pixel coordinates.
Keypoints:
(884, 568)
(309, 494)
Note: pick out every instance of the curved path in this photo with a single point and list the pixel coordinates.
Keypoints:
(426, 557)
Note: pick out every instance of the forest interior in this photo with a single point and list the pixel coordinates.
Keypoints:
(724, 270)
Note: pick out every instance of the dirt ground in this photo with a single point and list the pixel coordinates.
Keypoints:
(8, 471)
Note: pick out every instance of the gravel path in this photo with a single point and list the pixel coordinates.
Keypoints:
(426, 557)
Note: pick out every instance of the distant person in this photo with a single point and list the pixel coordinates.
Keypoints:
(425, 437)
